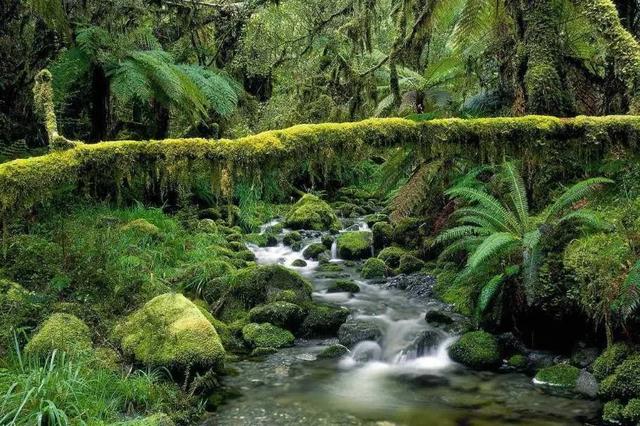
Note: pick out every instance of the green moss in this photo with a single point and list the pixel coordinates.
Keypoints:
(333, 351)
(391, 256)
(314, 251)
(171, 331)
(282, 314)
(518, 361)
(142, 227)
(560, 375)
(610, 359)
(476, 349)
(61, 332)
(406, 232)
(624, 383)
(253, 286)
(354, 245)
(18, 308)
(631, 412)
(159, 419)
(310, 212)
(410, 264)
(107, 358)
(262, 240)
(291, 237)
(382, 234)
(323, 320)
(612, 412)
(373, 268)
(299, 263)
(267, 335)
(348, 286)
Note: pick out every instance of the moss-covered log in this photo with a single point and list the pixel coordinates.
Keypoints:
(27, 182)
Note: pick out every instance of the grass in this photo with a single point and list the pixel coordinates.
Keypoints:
(60, 391)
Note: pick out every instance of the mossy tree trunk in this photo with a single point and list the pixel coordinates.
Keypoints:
(603, 15)
(544, 81)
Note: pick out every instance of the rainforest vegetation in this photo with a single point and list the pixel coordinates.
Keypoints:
(364, 212)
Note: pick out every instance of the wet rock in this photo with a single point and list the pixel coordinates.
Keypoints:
(263, 351)
(299, 263)
(436, 318)
(426, 380)
(509, 344)
(314, 251)
(583, 356)
(355, 245)
(587, 385)
(348, 286)
(382, 234)
(374, 218)
(291, 237)
(327, 240)
(323, 320)
(410, 264)
(541, 359)
(333, 352)
(416, 285)
(424, 343)
(477, 350)
(353, 332)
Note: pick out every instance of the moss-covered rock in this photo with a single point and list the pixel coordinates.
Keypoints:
(624, 383)
(267, 335)
(142, 227)
(299, 263)
(559, 375)
(476, 349)
(171, 331)
(291, 237)
(382, 234)
(262, 240)
(313, 251)
(410, 264)
(159, 419)
(373, 268)
(610, 359)
(323, 320)
(518, 361)
(18, 308)
(257, 285)
(310, 212)
(333, 352)
(341, 285)
(612, 412)
(631, 412)
(406, 232)
(282, 314)
(355, 245)
(62, 332)
(372, 219)
(391, 256)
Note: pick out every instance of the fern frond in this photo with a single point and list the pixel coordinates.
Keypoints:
(489, 292)
(630, 301)
(219, 93)
(480, 217)
(586, 217)
(414, 192)
(489, 203)
(577, 192)
(531, 258)
(467, 244)
(517, 193)
(493, 245)
(459, 232)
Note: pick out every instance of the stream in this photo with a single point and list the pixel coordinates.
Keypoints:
(402, 376)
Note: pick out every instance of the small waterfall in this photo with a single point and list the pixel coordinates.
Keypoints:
(334, 250)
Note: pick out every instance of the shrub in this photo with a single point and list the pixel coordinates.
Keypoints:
(476, 349)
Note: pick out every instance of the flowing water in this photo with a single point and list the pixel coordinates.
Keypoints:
(396, 379)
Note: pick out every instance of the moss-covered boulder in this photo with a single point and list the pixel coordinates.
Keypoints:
(299, 263)
(18, 308)
(291, 237)
(624, 383)
(257, 285)
(406, 232)
(323, 320)
(344, 286)
(333, 352)
(610, 359)
(267, 335)
(171, 331)
(382, 234)
(372, 219)
(355, 245)
(282, 314)
(310, 212)
(518, 361)
(612, 412)
(142, 227)
(262, 240)
(563, 376)
(476, 349)
(410, 264)
(631, 412)
(314, 251)
(62, 332)
(373, 268)
(391, 256)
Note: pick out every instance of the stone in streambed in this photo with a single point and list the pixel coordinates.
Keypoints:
(354, 245)
(344, 286)
(477, 350)
(333, 352)
(353, 332)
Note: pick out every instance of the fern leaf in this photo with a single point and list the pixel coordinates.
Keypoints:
(489, 292)
(577, 192)
(494, 244)
(517, 193)
(457, 233)
(490, 204)
(532, 257)
(586, 217)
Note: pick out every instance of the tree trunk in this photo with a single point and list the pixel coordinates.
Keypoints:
(161, 115)
(603, 15)
(99, 110)
(545, 85)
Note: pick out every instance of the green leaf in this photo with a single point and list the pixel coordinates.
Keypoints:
(489, 292)
(498, 243)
